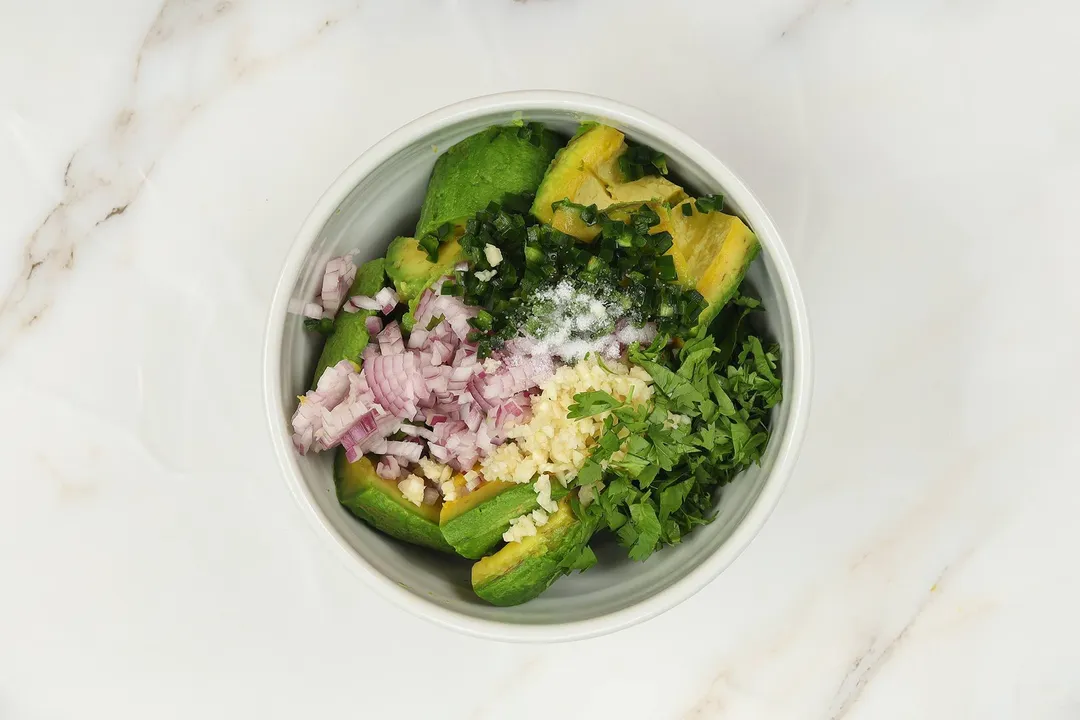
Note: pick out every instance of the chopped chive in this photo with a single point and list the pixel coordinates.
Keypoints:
(710, 203)
(482, 321)
(430, 243)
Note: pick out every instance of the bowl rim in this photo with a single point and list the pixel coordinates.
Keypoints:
(800, 384)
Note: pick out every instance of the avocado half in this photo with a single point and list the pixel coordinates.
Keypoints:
(484, 168)
(520, 571)
(475, 523)
(717, 249)
(410, 269)
(379, 503)
(587, 172)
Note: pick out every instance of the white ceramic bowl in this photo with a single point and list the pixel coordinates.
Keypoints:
(379, 196)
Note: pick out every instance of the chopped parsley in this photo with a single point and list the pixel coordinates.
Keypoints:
(662, 463)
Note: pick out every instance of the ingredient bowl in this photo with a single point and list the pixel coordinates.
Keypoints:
(375, 199)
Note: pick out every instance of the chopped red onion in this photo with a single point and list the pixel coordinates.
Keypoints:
(405, 450)
(432, 377)
(337, 278)
(363, 302)
(387, 299)
(417, 338)
(389, 468)
(390, 341)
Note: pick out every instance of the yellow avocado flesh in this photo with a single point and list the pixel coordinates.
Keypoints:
(356, 477)
(591, 192)
(717, 249)
(411, 271)
(586, 172)
(652, 187)
(573, 167)
(450, 252)
(651, 190)
(380, 504)
(513, 554)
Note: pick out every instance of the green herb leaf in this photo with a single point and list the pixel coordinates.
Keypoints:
(723, 402)
(590, 473)
(761, 362)
(740, 436)
(673, 496)
(591, 403)
(581, 560)
(684, 397)
(643, 517)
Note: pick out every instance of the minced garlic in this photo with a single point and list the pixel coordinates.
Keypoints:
(550, 443)
(434, 471)
(493, 254)
(412, 487)
(520, 527)
(525, 525)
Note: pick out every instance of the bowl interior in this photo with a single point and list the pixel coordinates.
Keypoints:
(386, 203)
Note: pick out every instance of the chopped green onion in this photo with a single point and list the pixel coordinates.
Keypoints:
(709, 203)
(430, 243)
(482, 321)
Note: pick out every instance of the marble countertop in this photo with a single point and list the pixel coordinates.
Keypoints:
(922, 160)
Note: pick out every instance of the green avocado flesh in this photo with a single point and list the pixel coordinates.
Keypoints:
(520, 571)
(718, 249)
(484, 168)
(350, 335)
(476, 522)
(379, 503)
(586, 172)
(412, 272)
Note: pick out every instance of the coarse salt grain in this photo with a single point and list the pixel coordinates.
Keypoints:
(575, 319)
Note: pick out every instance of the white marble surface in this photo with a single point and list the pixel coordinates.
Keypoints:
(922, 159)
